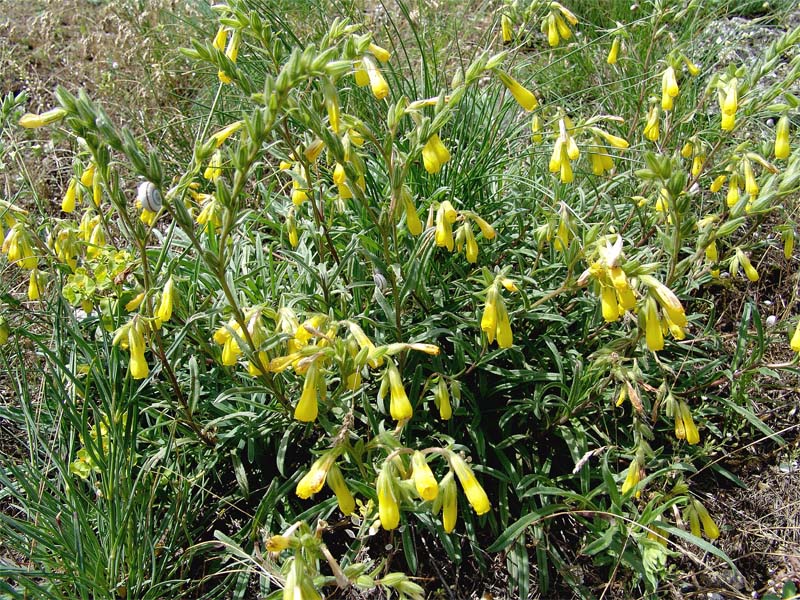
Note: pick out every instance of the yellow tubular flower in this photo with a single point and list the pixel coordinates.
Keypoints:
(697, 165)
(97, 190)
(730, 102)
(434, 154)
(68, 203)
(230, 352)
(223, 134)
(564, 32)
(388, 509)
(378, 85)
(782, 149)
(608, 303)
(522, 95)
(505, 338)
(164, 311)
(624, 292)
(568, 14)
(669, 88)
(633, 478)
(339, 487)
(312, 482)
(749, 269)
(382, 54)
(399, 406)
(221, 38)
(443, 234)
(138, 363)
(669, 302)
(31, 121)
(552, 31)
(449, 502)
(717, 184)
(307, 407)
(712, 254)
(613, 54)
(34, 285)
(476, 495)
(750, 185)
(651, 127)
(424, 481)
(732, 197)
(135, 302)
(709, 526)
(413, 221)
(794, 343)
(653, 334)
(88, 175)
(489, 317)
(536, 129)
(506, 29)
(692, 435)
(472, 245)
(232, 52)
(694, 520)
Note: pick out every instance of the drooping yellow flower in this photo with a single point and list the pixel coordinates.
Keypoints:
(164, 311)
(307, 407)
(399, 406)
(388, 508)
(489, 316)
(443, 234)
(505, 338)
(709, 526)
(613, 54)
(653, 334)
(782, 148)
(413, 221)
(312, 482)
(136, 345)
(232, 52)
(717, 184)
(223, 134)
(633, 478)
(32, 121)
(339, 487)
(651, 126)
(669, 88)
(449, 493)
(506, 29)
(424, 481)
(690, 429)
(221, 38)
(382, 54)
(732, 197)
(68, 203)
(134, 303)
(749, 269)
(728, 97)
(475, 494)
(18, 248)
(378, 85)
(794, 343)
(609, 304)
(434, 154)
(35, 285)
(522, 95)
(750, 184)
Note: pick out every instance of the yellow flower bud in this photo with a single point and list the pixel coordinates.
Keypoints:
(505, 337)
(476, 495)
(633, 478)
(717, 184)
(35, 285)
(443, 400)
(709, 526)
(424, 481)
(489, 317)
(749, 269)
(608, 303)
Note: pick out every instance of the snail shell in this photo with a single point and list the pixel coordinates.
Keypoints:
(148, 196)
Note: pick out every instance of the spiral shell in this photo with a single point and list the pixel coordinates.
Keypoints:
(148, 196)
